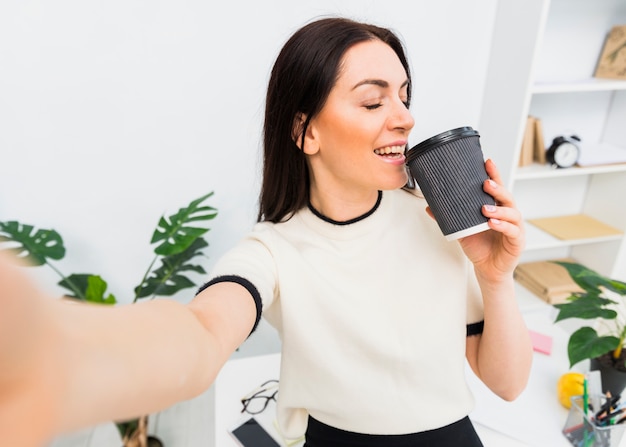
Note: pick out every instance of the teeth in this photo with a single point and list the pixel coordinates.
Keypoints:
(389, 150)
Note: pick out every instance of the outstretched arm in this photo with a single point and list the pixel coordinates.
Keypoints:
(66, 365)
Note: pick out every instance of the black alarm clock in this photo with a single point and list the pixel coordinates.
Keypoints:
(564, 151)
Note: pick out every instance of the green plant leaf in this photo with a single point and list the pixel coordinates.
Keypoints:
(77, 284)
(87, 287)
(35, 245)
(586, 307)
(96, 288)
(590, 280)
(126, 428)
(175, 233)
(167, 279)
(586, 344)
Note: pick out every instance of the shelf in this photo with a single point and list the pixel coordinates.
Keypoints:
(537, 239)
(564, 41)
(582, 85)
(537, 171)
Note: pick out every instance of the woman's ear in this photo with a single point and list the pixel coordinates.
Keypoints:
(303, 135)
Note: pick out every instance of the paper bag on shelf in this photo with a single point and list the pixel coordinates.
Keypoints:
(612, 62)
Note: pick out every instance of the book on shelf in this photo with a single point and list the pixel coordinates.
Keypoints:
(549, 281)
(533, 144)
(539, 153)
(575, 226)
(528, 143)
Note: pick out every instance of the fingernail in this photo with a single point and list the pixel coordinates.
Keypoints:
(493, 184)
(496, 221)
(490, 208)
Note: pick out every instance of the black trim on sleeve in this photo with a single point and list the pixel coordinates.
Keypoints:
(475, 328)
(256, 296)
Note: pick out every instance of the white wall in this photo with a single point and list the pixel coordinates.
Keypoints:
(113, 113)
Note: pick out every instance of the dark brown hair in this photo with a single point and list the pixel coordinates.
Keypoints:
(303, 75)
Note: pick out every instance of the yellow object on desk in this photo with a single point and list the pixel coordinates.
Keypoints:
(570, 384)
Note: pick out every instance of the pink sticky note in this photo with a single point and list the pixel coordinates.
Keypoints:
(541, 342)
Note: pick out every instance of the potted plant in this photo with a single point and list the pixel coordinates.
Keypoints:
(602, 300)
(177, 241)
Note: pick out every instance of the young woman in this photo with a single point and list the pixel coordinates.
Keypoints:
(377, 312)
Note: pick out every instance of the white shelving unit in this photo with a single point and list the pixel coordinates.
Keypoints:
(556, 46)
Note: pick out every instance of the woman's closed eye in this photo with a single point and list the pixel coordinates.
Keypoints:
(380, 104)
(373, 106)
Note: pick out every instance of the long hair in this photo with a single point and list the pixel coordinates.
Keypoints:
(303, 75)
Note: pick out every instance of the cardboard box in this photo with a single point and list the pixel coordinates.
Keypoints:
(549, 281)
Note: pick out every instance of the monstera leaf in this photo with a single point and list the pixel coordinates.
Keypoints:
(593, 303)
(167, 279)
(175, 233)
(37, 245)
(178, 242)
(588, 307)
(591, 281)
(87, 287)
(585, 343)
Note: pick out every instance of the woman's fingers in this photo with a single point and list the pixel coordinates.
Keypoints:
(494, 186)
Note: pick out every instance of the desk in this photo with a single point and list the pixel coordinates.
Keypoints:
(535, 419)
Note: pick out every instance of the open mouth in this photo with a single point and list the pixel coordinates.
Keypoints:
(390, 151)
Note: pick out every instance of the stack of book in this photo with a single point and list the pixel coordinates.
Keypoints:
(548, 280)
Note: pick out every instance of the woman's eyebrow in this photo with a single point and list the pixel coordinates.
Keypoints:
(378, 82)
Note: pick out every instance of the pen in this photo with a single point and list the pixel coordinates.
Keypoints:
(613, 418)
(606, 406)
(609, 411)
(619, 421)
(585, 396)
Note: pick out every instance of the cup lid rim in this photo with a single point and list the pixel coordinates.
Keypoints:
(441, 138)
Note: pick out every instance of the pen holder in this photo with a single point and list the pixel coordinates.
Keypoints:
(585, 430)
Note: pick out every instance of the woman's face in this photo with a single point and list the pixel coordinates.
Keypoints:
(357, 140)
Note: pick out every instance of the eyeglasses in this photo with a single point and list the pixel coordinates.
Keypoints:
(256, 401)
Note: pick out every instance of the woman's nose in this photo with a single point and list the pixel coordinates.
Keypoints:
(402, 118)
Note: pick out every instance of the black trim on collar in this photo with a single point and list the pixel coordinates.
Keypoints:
(351, 221)
(256, 296)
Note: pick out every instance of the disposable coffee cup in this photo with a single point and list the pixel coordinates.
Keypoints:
(450, 171)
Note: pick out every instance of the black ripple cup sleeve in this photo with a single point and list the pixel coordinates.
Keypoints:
(450, 171)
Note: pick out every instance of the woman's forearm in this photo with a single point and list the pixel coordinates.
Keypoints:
(504, 354)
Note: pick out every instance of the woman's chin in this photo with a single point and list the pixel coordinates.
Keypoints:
(398, 182)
